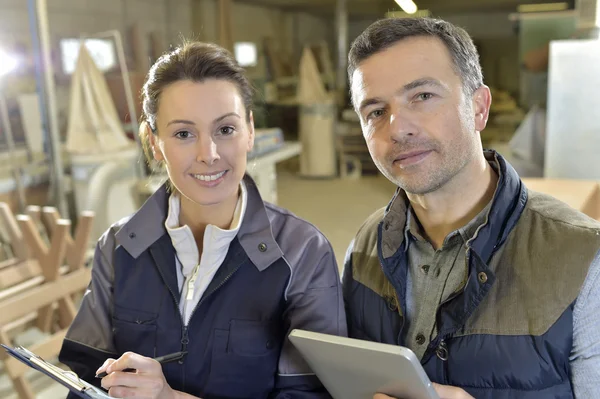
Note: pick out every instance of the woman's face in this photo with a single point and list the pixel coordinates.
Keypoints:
(203, 138)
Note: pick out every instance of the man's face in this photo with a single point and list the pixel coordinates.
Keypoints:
(420, 126)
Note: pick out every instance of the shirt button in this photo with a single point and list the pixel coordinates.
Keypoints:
(269, 344)
(386, 226)
(131, 235)
(483, 278)
(392, 304)
(262, 247)
(420, 339)
(425, 269)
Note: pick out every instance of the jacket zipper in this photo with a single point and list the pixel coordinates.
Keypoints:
(183, 326)
(210, 293)
(185, 340)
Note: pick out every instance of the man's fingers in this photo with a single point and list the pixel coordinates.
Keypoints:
(381, 396)
(449, 392)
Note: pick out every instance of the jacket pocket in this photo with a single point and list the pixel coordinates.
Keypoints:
(244, 359)
(134, 331)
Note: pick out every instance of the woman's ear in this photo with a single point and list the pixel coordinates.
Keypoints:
(251, 132)
(156, 151)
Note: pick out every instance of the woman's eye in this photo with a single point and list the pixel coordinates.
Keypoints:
(183, 134)
(226, 130)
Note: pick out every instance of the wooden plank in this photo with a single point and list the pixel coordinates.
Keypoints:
(35, 213)
(32, 238)
(66, 312)
(592, 205)
(45, 318)
(9, 263)
(225, 34)
(7, 218)
(57, 251)
(77, 252)
(45, 294)
(18, 273)
(77, 247)
(46, 349)
(26, 285)
(579, 194)
(18, 324)
(22, 387)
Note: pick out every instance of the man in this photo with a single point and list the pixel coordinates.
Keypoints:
(494, 287)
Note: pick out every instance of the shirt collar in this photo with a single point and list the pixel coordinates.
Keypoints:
(400, 217)
(215, 238)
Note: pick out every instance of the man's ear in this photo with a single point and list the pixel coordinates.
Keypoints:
(482, 100)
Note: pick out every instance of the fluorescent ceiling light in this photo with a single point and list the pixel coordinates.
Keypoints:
(408, 6)
(245, 53)
(542, 7)
(7, 63)
(402, 14)
(102, 52)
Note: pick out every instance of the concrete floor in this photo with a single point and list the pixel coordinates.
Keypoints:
(337, 207)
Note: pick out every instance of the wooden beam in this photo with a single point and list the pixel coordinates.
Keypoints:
(48, 348)
(76, 247)
(7, 218)
(225, 33)
(45, 294)
(19, 272)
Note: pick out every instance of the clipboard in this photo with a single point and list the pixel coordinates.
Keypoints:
(66, 378)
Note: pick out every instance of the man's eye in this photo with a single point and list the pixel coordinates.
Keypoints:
(375, 114)
(424, 96)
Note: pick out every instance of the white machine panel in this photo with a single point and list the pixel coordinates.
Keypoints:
(573, 116)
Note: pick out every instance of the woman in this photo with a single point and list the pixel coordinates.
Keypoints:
(205, 266)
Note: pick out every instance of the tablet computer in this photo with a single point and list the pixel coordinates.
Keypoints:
(355, 369)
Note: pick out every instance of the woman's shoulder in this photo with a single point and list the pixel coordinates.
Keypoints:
(285, 223)
(108, 239)
(303, 245)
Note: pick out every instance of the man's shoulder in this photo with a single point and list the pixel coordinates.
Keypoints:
(369, 226)
(362, 261)
(549, 210)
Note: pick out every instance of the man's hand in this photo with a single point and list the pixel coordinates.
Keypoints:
(444, 391)
(147, 382)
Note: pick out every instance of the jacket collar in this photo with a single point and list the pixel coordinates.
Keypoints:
(147, 226)
(506, 208)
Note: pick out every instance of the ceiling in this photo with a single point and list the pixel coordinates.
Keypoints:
(369, 8)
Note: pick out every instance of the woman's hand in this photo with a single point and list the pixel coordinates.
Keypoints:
(147, 382)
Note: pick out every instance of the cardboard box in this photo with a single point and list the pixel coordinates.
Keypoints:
(582, 195)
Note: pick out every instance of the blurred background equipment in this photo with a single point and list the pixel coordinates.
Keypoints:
(317, 115)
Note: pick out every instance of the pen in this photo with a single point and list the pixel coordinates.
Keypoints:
(161, 359)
